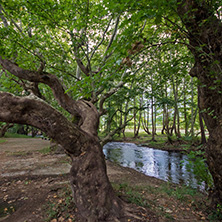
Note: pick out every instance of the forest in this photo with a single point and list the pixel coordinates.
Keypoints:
(85, 72)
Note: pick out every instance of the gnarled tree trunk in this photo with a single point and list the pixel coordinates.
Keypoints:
(92, 191)
(205, 37)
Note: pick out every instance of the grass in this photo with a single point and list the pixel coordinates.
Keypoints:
(18, 153)
(2, 141)
(60, 206)
(161, 141)
(183, 193)
(131, 194)
(216, 214)
(15, 135)
(46, 150)
(166, 201)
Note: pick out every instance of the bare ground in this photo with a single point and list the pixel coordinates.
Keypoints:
(33, 187)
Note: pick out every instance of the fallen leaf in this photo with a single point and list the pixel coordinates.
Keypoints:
(83, 153)
(61, 219)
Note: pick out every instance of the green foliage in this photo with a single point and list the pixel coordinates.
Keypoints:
(46, 150)
(130, 194)
(197, 165)
(60, 205)
(180, 192)
(2, 141)
(216, 214)
(15, 135)
(19, 153)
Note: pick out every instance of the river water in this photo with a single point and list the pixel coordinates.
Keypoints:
(152, 162)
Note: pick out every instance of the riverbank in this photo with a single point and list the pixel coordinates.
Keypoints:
(161, 142)
(34, 186)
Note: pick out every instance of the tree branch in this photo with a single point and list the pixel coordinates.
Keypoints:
(85, 110)
(34, 112)
(110, 93)
(15, 24)
(103, 37)
(110, 135)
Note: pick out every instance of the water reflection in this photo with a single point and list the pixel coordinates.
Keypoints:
(152, 162)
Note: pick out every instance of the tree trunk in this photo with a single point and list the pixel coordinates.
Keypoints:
(192, 112)
(205, 37)
(153, 119)
(125, 118)
(185, 108)
(134, 118)
(145, 120)
(202, 131)
(176, 119)
(138, 122)
(92, 191)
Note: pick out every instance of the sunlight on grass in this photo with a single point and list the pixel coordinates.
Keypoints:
(2, 141)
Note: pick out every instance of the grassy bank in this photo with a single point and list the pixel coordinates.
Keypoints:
(161, 141)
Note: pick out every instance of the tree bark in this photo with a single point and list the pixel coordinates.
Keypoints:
(205, 37)
(145, 120)
(185, 108)
(153, 120)
(202, 130)
(92, 191)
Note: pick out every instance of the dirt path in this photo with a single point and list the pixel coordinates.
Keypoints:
(23, 144)
(29, 179)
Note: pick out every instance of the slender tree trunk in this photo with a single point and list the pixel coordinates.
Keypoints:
(108, 122)
(205, 37)
(176, 119)
(202, 131)
(120, 118)
(192, 112)
(173, 128)
(185, 107)
(163, 121)
(134, 117)
(145, 120)
(167, 113)
(136, 133)
(155, 115)
(153, 119)
(125, 118)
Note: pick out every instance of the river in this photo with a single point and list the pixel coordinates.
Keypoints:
(152, 162)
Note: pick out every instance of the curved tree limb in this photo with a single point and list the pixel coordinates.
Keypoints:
(37, 113)
(83, 109)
